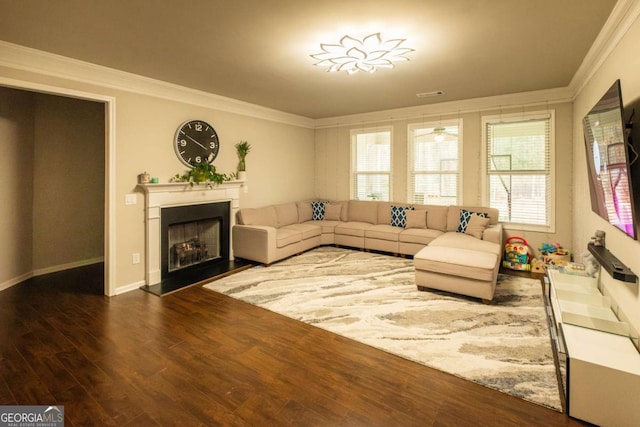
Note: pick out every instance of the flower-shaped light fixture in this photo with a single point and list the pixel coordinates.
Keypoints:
(369, 54)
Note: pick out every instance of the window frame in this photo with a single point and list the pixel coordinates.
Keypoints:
(411, 173)
(353, 172)
(551, 187)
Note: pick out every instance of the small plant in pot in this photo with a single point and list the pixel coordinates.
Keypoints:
(201, 172)
(242, 149)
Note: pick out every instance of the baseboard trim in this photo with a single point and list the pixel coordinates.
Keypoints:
(15, 281)
(131, 287)
(68, 266)
(47, 270)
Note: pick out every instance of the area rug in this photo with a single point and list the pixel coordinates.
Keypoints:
(372, 298)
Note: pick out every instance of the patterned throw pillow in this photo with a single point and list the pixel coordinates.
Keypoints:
(318, 210)
(465, 216)
(399, 215)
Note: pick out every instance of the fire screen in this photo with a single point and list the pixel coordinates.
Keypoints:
(193, 242)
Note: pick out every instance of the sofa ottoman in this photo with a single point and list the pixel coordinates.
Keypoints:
(462, 271)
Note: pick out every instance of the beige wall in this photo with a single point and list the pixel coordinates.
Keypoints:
(624, 64)
(69, 189)
(53, 206)
(333, 162)
(16, 175)
(280, 167)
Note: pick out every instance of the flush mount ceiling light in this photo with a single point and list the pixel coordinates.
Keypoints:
(369, 54)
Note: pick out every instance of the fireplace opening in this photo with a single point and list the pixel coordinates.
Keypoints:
(193, 237)
(193, 242)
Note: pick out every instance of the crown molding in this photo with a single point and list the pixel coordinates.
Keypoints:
(49, 64)
(502, 102)
(622, 17)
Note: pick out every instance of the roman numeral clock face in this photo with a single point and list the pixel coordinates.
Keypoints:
(196, 142)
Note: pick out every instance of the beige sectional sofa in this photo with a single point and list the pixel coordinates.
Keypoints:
(455, 260)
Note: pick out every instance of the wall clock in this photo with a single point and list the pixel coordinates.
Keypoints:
(196, 141)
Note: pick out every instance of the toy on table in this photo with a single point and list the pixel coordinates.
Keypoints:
(537, 266)
(553, 254)
(517, 254)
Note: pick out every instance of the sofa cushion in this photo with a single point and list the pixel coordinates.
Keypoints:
(461, 240)
(363, 211)
(259, 216)
(332, 212)
(399, 215)
(436, 216)
(344, 215)
(352, 228)
(421, 236)
(325, 225)
(416, 219)
(286, 236)
(318, 210)
(476, 226)
(465, 217)
(307, 230)
(287, 214)
(305, 213)
(477, 264)
(383, 232)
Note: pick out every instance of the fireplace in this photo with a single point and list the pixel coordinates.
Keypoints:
(193, 237)
(183, 220)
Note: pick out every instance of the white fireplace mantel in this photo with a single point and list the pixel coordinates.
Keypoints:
(158, 196)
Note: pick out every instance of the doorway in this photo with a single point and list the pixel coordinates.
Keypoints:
(71, 187)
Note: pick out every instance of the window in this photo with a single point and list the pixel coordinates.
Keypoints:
(519, 169)
(434, 164)
(371, 164)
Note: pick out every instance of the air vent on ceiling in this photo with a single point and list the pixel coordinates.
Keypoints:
(429, 94)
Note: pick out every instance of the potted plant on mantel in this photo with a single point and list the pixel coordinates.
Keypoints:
(201, 172)
(242, 148)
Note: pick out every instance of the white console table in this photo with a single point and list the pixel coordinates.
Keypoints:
(599, 364)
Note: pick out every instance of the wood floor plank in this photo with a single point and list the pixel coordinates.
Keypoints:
(196, 357)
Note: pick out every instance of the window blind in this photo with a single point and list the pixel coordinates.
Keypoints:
(434, 176)
(371, 166)
(519, 169)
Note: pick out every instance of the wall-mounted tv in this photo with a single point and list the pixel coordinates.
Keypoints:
(608, 162)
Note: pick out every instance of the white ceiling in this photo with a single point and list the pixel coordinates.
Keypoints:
(258, 50)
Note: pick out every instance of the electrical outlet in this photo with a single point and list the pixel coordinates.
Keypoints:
(135, 258)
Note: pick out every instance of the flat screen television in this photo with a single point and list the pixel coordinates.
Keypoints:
(608, 162)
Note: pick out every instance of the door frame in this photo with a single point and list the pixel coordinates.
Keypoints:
(110, 162)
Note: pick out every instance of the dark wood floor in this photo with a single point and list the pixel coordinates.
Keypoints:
(195, 357)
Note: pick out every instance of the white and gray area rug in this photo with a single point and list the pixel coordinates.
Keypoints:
(372, 298)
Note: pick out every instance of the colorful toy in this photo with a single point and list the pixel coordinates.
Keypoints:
(554, 255)
(517, 254)
(547, 248)
(537, 266)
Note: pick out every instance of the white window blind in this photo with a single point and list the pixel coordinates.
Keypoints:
(434, 166)
(371, 165)
(518, 165)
